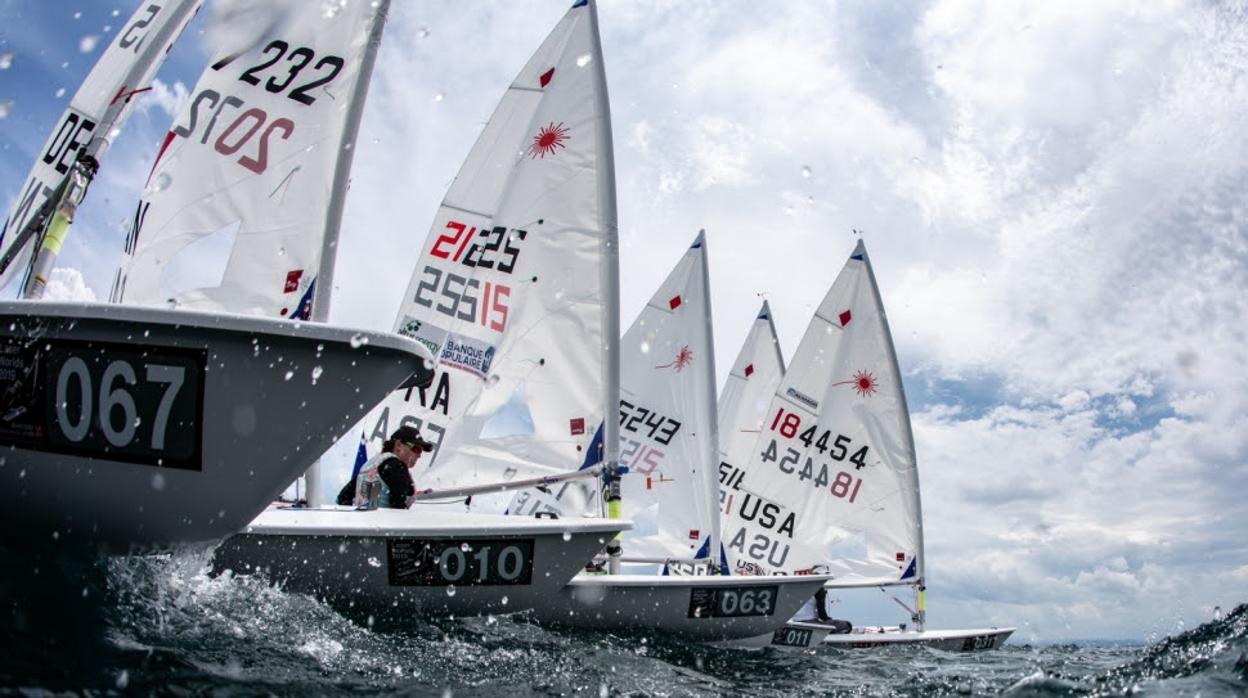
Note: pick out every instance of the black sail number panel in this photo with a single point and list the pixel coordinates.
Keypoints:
(468, 562)
(103, 400)
(732, 602)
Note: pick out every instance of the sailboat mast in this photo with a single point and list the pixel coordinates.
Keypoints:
(609, 282)
(920, 611)
(55, 227)
(709, 471)
(337, 202)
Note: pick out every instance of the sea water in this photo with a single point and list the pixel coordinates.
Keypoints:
(161, 625)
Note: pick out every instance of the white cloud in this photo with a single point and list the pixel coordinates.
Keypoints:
(169, 100)
(67, 284)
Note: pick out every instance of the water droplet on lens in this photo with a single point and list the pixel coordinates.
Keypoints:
(87, 43)
(439, 97)
(289, 375)
(158, 482)
(162, 182)
(567, 536)
(450, 590)
(374, 562)
(331, 8)
(6, 60)
(358, 340)
(504, 600)
(806, 171)
(60, 92)
(465, 547)
(316, 373)
(645, 347)
(6, 107)
(423, 33)
(583, 60)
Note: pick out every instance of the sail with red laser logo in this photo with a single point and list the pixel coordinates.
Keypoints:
(831, 485)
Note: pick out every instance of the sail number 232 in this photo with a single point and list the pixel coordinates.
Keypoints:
(232, 125)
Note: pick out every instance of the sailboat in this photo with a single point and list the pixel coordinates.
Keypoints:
(836, 462)
(131, 428)
(40, 217)
(668, 421)
(515, 294)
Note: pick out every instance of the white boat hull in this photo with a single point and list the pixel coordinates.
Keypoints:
(947, 640)
(383, 566)
(129, 428)
(707, 609)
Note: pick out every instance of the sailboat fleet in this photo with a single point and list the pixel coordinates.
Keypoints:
(588, 481)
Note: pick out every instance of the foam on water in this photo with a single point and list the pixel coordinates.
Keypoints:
(160, 623)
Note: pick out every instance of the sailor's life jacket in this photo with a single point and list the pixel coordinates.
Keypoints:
(378, 480)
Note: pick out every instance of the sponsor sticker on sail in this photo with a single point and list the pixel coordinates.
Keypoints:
(468, 354)
(428, 334)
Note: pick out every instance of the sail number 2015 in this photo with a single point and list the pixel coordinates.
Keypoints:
(247, 127)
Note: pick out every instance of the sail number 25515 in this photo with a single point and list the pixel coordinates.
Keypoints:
(464, 296)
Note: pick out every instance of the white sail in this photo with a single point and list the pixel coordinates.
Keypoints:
(668, 418)
(746, 398)
(516, 291)
(93, 119)
(832, 484)
(247, 189)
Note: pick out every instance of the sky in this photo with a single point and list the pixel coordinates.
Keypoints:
(1051, 195)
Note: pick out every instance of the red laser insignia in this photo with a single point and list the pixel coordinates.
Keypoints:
(547, 140)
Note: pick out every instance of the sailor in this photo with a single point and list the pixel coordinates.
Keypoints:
(385, 481)
(816, 611)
